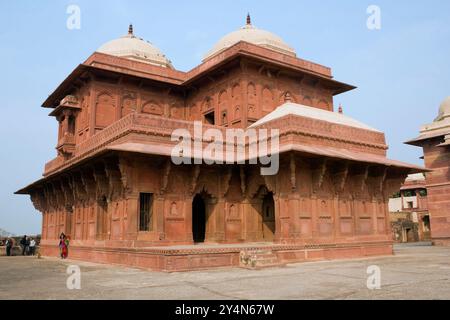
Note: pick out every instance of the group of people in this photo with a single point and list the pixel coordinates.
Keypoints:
(27, 244)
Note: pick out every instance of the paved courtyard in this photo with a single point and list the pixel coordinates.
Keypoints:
(415, 272)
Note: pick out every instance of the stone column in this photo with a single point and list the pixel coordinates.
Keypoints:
(131, 214)
(188, 219)
(211, 212)
(251, 219)
(220, 220)
(158, 217)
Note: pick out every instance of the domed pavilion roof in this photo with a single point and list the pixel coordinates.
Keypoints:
(137, 49)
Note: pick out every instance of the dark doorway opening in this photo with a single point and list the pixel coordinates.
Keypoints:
(198, 219)
(268, 212)
(210, 118)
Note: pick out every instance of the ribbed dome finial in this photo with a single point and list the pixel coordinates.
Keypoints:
(130, 29)
(249, 20)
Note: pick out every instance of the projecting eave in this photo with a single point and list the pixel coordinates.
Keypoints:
(420, 140)
(328, 152)
(36, 184)
(100, 62)
(64, 87)
(125, 67)
(353, 156)
(272, 58)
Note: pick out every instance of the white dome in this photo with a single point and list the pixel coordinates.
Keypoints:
(253, 35)
(134, 48)
(444, 109)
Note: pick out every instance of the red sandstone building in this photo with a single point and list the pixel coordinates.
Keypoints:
(434, 138)
(410, 220)
(114, 189)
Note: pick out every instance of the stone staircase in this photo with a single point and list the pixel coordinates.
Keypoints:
(258, 259)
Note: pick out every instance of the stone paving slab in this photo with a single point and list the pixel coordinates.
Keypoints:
(415, 272)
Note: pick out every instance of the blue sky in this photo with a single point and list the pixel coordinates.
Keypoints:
(402, 71)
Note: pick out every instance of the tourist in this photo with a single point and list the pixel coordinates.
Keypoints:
(9, 244)
(64, 246)
(32, 246)
(27, 245)
(62, 238)
(66, 242)
(23, 244)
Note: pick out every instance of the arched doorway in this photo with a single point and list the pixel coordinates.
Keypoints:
(198, 219)
(268, 215)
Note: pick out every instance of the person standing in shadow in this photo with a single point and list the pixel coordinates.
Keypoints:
(9, 245)
(23, 244)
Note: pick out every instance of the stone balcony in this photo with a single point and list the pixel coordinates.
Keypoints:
(66, 145)
(154, 132)
(139, 124)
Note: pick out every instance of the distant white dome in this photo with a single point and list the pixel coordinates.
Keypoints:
(415, 177)
(253, 35)
(444, 109)
(137, 49)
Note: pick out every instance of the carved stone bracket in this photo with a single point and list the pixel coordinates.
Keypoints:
(226, 180)
(115, 183)
(195, 175)
(243, 180)
(271, 183)
(87, 178)
(102, 183)
(361, 179)
(58, 194)
(50, 197)
(318, 174)
(68, 193)
(38, 200)
(165, 176)
(376, 182)
(392, 184)
(340, 177)
(79, 188)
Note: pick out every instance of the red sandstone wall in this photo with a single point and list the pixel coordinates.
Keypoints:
(245, 94)
(438, 186)
(311, 206)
